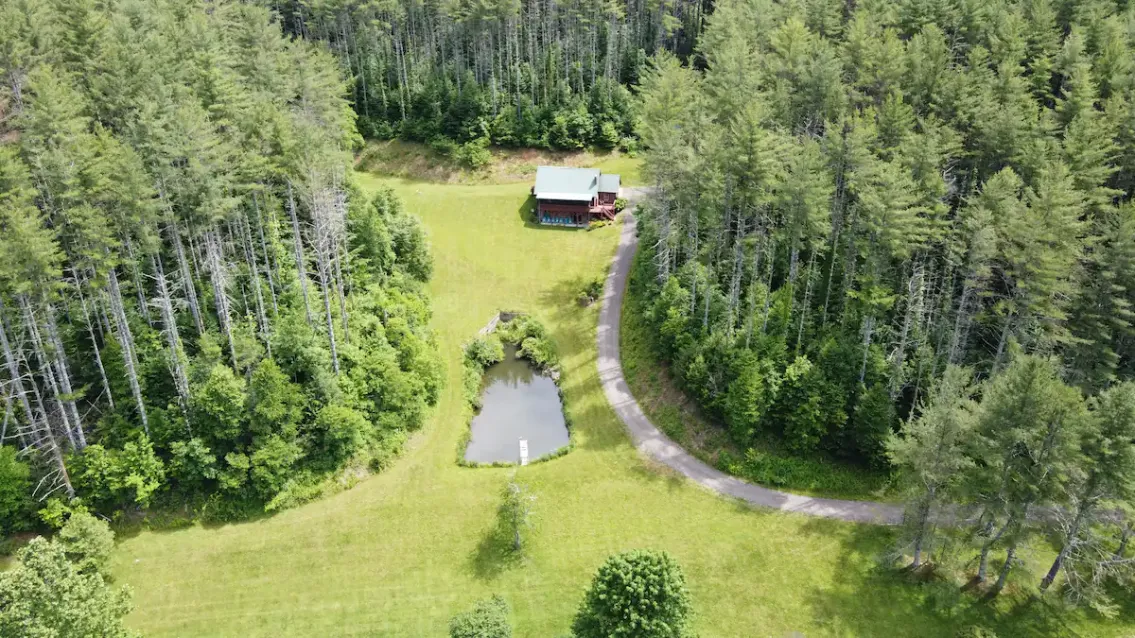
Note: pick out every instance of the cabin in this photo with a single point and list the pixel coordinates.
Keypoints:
(574, 196)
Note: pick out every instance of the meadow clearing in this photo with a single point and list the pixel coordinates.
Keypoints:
(403, 551)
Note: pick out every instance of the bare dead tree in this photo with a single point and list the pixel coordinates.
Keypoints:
(36, 436)
(805, 307)
(692, 256)
(338, 230)
(323, 204)
(662, 246)
(94, 343)
(177, 363)
(735, 279)
(47, 370)
(912, 313)
(219, 277)
(269, 263)
(771, 262)
(754, 281)
(64, 370)
(139, 288)
(8, 391)
(1095, 566)
(254, 276)
(297, 241)
(188, 287)
(126, 341)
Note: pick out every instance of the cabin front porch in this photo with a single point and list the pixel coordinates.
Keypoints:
(574, 215)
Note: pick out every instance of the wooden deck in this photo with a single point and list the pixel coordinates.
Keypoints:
(598, 211)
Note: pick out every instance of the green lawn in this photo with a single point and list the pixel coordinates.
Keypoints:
(629, 169)
(402, 551)
(413, 161)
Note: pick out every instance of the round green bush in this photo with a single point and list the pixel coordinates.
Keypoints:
(487, 619)
(639, 594)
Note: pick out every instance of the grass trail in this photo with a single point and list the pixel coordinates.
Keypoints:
(403, 551)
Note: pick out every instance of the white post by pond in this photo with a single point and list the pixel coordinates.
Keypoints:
(523, 451)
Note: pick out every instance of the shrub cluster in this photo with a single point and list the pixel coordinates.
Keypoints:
(487, 619)
(481, 353)
(591, 291)
(473, 154)
(534, 344)
(815, 474)
(639, 593)
(485, 350)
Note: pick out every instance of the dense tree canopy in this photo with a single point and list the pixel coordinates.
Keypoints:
(856, 200)
(58, 587)
(195, 299)
(513, 72)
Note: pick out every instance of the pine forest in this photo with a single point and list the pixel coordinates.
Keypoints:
(867, 223)
(851, 206)
(198, 305)
(510, 73)
(878, 254)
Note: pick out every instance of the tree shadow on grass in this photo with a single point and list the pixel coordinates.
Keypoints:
(864, 598)
(562, 299)
(656, 472)
(165, 517)
(495, 554)
(870, 597)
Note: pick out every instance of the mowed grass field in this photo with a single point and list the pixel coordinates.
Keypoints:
(415, 161)
(403, 551)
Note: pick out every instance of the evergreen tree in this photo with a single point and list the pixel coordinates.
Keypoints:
(516, 73)
(1106, 469)
(932, 451)
(162, 164)
(1029, 426)
(951, 193)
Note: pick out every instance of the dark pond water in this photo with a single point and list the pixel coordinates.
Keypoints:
(517, 403)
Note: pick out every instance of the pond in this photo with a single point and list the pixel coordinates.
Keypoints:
(517, 403)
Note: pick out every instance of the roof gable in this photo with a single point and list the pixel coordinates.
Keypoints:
(608, 183)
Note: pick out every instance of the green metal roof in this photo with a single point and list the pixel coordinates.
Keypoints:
(558, 182)
(609, 183)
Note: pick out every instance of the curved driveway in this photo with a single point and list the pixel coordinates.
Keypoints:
(653, 443)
